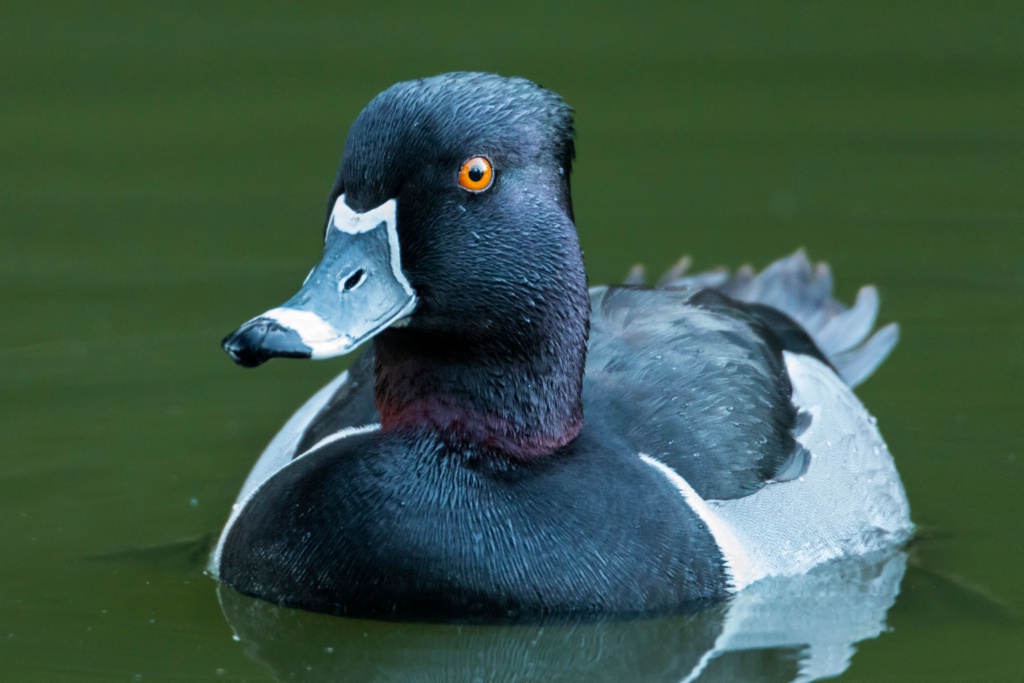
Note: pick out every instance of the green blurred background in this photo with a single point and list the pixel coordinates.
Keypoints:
(163, 173)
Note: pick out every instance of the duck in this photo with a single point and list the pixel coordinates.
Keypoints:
(513, 444)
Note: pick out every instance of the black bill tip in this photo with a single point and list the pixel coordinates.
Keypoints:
(261, 339)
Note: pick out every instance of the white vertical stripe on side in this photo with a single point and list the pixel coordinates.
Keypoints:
(338, 436)
(740, 569)
(236, 510)
(278, 453)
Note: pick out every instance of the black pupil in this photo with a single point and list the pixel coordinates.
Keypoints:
(476, 173)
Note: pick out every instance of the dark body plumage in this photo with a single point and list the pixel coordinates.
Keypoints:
(485, 494)
(424, 532)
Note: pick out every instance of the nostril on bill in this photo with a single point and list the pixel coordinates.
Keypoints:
(352, 281)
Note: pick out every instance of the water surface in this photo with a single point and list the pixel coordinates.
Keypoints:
(163, 172)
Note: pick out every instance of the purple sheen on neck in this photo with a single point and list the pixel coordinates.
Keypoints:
(461, 425)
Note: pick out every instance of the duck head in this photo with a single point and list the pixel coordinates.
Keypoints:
(451, 211)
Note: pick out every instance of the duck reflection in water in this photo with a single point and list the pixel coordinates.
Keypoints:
(797, 629)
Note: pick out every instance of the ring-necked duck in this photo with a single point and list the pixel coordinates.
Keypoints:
(515, 445)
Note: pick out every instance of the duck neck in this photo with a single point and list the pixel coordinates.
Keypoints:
(507, 380)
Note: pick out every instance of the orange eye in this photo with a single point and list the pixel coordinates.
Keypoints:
(476, 175)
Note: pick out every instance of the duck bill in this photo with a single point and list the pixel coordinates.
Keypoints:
(357, 290)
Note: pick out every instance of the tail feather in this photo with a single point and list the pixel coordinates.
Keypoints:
(851, 327)
(803, 292)
(857, 364)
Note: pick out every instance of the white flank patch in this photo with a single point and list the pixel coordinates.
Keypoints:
(739, 567)
(849, 503)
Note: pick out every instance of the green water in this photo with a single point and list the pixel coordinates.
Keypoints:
(163, 171)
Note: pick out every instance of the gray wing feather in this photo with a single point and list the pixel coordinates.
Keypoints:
(700, 390)
(804, 292)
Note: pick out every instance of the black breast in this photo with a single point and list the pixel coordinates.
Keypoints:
(396, 526)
